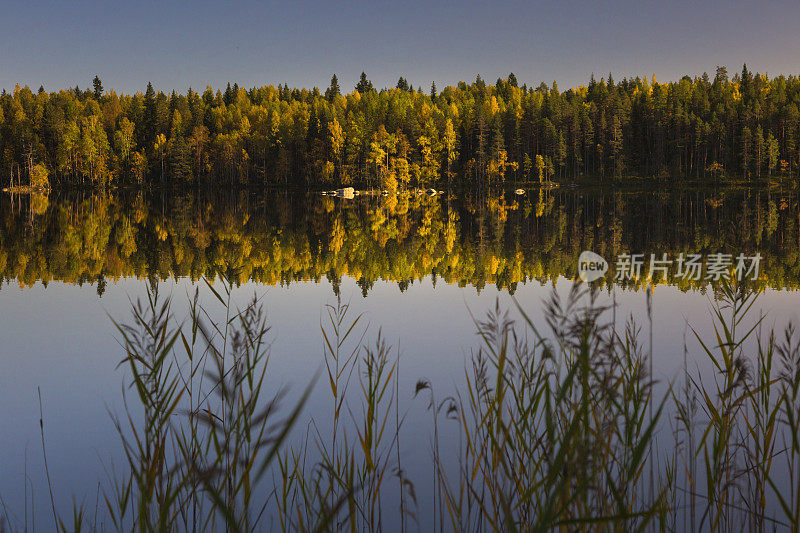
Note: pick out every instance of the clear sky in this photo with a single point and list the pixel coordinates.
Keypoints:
(176, 45)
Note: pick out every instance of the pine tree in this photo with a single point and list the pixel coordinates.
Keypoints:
(364, 85)
(561, 151)
(333, 91)
(98, 87)
(773, 152)
(759, 150)
(527, 167)
(228, 98)
(149, 130)
(747, 147)
(180, 160)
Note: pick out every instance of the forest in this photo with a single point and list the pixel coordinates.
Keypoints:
(743, 127)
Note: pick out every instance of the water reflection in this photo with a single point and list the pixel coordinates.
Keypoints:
(280, 237)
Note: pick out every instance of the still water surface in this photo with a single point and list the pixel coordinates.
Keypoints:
(416, 267)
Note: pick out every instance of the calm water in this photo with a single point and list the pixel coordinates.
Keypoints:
(414, 266)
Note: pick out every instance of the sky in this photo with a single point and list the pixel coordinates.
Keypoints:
(178, 45)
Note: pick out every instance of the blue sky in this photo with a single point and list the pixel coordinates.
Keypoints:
(176, 45)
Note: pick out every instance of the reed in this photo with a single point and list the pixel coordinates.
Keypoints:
(208, 434)
(560, 427)
(556, 427)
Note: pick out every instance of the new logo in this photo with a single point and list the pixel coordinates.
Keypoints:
(591, 266)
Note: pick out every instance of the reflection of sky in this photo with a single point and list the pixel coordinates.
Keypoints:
(60, 339)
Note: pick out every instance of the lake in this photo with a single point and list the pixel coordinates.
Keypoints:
(420, 269)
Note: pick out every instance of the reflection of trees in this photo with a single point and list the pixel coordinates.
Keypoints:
(281, 238)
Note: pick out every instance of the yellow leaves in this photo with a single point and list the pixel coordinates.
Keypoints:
(389, 181)
(450, 231)
(540, 204)
(453, 111)
(736, 92)
(39, 203)
(518, 112)
(328, 171)
(389, 203)
(377, 155)
(161, 232)
(581, 90)
(498, 208)
(160, 143)
(246, 247)
(328, 204)
(425, 112)
(337, 236)
(400, 169)
(449, 139)
(337, 137)
(494, 107)
(429, 168)
(494, 264)
(497, 166)
(124, 137)
(178, 256)
(244, 126)
(22, 258)
(39, 177)
(402, 206)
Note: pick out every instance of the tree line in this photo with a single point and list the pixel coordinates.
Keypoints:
(477, 135)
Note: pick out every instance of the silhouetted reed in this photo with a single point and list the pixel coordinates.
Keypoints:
(561, 427)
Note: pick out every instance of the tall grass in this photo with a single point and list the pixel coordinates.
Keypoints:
(556, 427)
(203, 433)
(560, 427)
(340, 483)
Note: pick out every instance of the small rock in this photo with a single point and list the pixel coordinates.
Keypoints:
(346, 192)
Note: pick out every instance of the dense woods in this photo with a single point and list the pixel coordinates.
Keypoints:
(477, 135)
